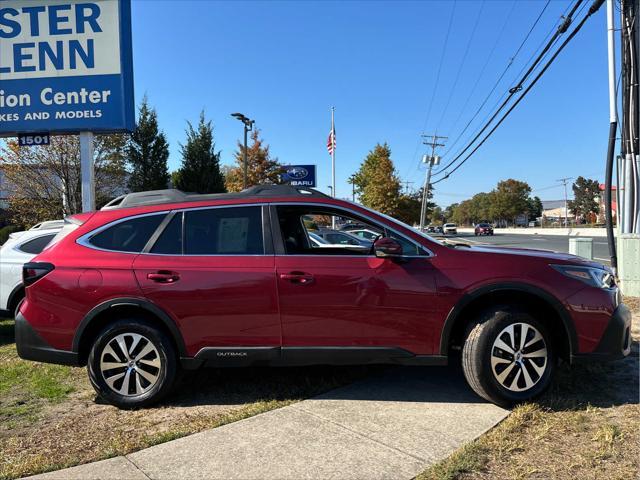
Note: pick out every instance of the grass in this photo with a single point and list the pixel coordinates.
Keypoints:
(586, 426)
(50, 419)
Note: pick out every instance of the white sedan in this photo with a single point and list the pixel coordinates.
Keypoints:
(19, 249)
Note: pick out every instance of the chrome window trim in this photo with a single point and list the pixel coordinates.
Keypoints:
(430, 253)
(84, 240)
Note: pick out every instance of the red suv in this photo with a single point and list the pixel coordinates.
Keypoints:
(162, 281)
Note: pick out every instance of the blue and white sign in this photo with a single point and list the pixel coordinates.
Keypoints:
(65, 66)
(300, 175)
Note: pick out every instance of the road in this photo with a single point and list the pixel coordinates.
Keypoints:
(556, 243)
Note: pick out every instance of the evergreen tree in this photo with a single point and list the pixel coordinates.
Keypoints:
(586, 193)
(376, 182)
(147, 152)
(200, 171)
(261, 168)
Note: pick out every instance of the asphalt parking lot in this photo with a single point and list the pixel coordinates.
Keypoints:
(556, 243)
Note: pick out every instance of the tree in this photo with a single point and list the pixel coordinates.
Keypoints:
(44, 183)
(535, 208)
(449, 211)
(148, 153)
(510, 199)
(376, 181)
(261, 168)
(200, 171)
(437, 215)
(585, 193)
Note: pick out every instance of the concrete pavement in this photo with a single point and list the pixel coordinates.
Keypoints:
(390, 426)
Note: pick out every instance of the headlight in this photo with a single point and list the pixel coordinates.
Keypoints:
(594, 277)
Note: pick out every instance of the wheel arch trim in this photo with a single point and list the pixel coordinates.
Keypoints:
(13, 294)
(484, 290)
(139, 303)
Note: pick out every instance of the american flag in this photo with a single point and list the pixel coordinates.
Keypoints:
(331, 141)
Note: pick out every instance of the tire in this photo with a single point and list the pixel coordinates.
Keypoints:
(485, 364)
(150, 375)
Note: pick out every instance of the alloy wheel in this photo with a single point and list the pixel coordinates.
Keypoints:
(130, 364)
(519, 357)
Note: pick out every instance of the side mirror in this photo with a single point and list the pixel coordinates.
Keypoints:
(387, 247)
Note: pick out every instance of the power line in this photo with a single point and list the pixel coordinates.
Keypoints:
(433, 94)
(462, 63)
(499, 80)
(482, 70)
(594, 8)
(512, 91)
(524, 66)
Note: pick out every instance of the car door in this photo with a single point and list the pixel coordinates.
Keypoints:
(213, 270)
(349, 304)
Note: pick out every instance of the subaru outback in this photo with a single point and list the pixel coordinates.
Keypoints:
(157, 282)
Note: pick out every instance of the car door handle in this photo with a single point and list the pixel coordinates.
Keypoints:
(163, 277)
(298, 278)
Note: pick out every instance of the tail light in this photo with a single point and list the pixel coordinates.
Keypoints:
(34, 271)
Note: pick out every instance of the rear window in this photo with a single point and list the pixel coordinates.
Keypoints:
(223, 231)
(129, 235)
(36, 245)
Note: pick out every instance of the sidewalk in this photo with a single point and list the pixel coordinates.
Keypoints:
(391, 426)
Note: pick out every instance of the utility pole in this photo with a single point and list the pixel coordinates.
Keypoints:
(430, 161)
(628, 239)
(406, 186)
(564, 181)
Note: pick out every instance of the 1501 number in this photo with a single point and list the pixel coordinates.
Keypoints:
(33, 139)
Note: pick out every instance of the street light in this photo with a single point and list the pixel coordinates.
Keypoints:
(248, 126)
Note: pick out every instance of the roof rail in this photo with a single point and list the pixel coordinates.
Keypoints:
(159, 197)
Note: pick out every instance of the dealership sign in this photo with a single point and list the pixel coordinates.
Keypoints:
(65, 66)
(300, 175)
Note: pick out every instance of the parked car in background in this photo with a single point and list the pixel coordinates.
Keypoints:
(337, 237)
(484, 229)
(450, 229)
(165, 281)
(365, 233)
(48, 225)
(19, 249)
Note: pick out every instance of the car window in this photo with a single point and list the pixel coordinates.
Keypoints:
(128, 236)
(224, 231)
(298, 222)
(36, 245)
(170, 240)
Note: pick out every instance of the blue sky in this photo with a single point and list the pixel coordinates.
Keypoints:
(286, 63)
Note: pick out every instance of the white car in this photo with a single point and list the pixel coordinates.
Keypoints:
(365, 233)
(19, 249)
(450, 229)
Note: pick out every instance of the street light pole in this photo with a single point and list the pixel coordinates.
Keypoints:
(248, 126)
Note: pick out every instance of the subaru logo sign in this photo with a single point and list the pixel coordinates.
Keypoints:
(300, 175)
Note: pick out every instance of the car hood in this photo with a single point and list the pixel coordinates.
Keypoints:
(532, 252)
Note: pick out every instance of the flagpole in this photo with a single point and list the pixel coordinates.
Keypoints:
(333, 163)
(333, 154)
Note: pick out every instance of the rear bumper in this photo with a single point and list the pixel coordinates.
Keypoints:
(31, 346)
(615, 342)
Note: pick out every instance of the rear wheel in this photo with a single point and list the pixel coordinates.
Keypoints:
(132, 364)
(508, 357)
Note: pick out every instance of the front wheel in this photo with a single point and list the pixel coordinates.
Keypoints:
(132, 364)
(508, 357)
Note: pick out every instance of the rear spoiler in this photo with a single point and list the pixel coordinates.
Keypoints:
(78, 218)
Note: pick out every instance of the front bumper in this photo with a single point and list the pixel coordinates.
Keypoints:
(31, 346)
(615, 342)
